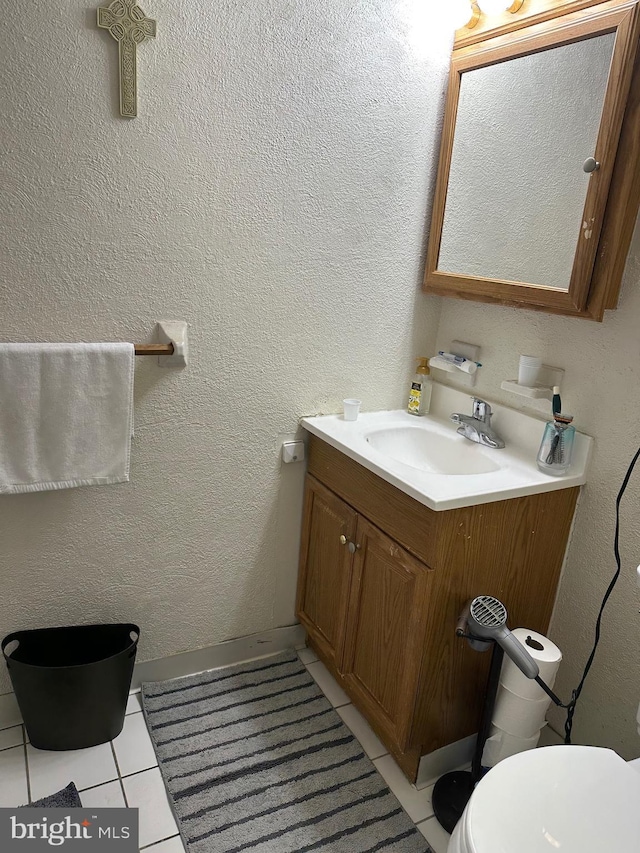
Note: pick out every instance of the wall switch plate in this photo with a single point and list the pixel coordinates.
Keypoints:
(293, 451)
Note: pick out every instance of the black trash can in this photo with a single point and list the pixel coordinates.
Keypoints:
(72, 684)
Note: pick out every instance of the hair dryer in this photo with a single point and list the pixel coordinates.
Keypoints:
(486, 619)
(483, 623)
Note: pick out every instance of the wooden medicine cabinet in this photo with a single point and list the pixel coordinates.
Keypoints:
(538, 182)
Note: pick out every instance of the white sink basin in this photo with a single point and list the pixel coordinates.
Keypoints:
(427, 450)
(427, 459)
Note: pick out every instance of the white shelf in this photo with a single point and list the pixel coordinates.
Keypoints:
(542, 390)
(533, 392)
(466, 350)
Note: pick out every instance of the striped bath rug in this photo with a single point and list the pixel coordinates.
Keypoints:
(255, 759)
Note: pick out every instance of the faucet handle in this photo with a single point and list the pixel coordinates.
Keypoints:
(481, 410)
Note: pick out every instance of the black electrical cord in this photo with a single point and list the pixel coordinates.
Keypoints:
(571, 706)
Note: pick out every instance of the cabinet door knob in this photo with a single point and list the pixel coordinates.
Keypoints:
(591, 165)
(344, 539)
(353, 547)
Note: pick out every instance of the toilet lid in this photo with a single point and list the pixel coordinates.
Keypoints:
(571, 799)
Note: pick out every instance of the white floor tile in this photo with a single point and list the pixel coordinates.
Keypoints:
(13, 778)
(327, 683)
(436, 836)
(307, 655)
(11, 737)
(369, 741)
(133, 746)
(146, 792)
(107, 796)
(172, 845)
(416, 803)
(134, 703)
(51, 771)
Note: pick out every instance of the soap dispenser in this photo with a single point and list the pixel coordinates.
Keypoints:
(420, 394)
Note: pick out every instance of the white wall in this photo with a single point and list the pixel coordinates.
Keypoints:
(601, 389)
(273, 192)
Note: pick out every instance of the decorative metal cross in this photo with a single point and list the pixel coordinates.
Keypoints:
(129, 26)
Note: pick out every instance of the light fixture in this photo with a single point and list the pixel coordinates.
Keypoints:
(496, 7)
(465, 13)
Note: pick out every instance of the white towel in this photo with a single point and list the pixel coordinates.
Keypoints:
(66, 415)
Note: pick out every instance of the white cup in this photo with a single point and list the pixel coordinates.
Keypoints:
(529, 369)
(351, 409)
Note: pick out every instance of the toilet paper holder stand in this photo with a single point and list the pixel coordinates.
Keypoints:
(483, 624)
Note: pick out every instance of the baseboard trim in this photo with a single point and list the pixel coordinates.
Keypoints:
(444, 760)
(550, 737)
(458, 754)
(211, 657)
(222, 654)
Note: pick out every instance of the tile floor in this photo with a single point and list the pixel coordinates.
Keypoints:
(125, 772)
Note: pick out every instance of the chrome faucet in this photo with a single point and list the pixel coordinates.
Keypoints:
(478, 427)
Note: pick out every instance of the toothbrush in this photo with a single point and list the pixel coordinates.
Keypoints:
(556, 405)
(456, 359)
(555, 452)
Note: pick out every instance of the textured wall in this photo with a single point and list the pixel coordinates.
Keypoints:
(273, 192)
(601, 389)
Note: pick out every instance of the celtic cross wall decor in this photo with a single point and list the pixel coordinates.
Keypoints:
(129, 26)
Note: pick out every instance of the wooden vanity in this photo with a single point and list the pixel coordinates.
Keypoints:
(383, 579)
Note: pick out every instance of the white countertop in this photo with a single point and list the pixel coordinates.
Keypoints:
(517, 475)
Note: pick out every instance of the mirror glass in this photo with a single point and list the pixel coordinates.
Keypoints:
(517, 186)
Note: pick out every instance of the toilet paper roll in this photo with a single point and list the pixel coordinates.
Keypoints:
(546, 654)
(518, 716)
(501, 745)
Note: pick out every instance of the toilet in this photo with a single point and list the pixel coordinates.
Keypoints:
(570, 799)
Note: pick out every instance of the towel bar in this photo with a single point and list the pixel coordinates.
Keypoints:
(153, 349)
(172, 345)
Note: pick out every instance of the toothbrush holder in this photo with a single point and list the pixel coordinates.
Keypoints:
(556, 448)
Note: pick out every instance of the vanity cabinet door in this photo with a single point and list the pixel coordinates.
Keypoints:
(328, 531)
(386, 629)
